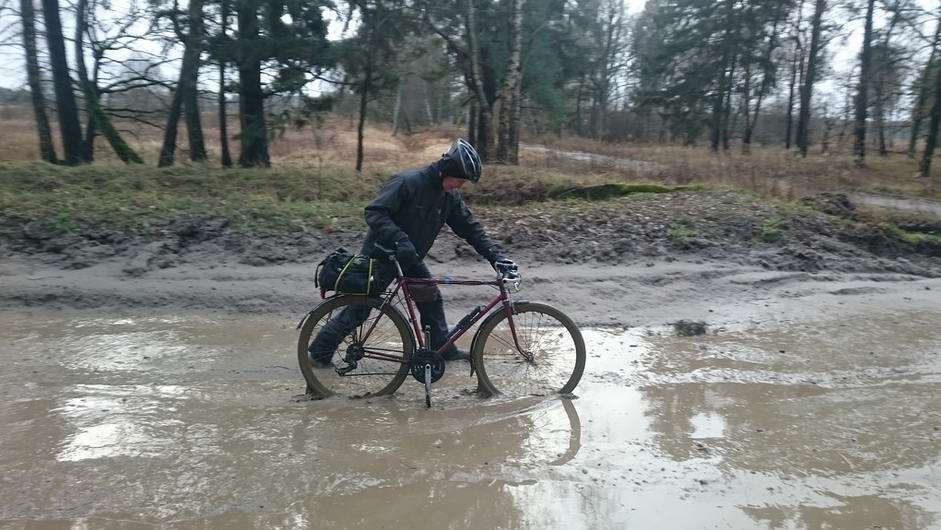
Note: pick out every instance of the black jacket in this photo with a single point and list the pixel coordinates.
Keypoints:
(414, 204)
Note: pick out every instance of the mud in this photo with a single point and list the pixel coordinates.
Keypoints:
(149, 380)
(810, 403)
(705, 227)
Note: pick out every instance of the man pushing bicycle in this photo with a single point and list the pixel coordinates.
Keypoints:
(407, 217)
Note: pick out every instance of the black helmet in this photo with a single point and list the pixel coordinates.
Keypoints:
(462, 161)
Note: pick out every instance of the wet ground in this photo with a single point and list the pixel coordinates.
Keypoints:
(195, 422)
(900, 204)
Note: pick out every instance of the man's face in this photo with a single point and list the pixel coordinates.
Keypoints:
(452, 183)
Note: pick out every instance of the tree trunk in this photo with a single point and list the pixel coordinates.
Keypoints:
(185, 97)
(862, 97)
(120, 147)
(484, 139)
(429, 113)
(515, 123)
(727, 111)
(363, 103)
(797, 73)
(511, 78)
(578, 107)
(472, 113)
(803, 121)
(923, 87)
(87, 91)
(194, 39)
(788, 134)
(223, 123)
(46, 148)
(879, 115)
(69, 126)
(91, 133)
(254, 132)
(746, 107)
(168, 149)
(932, 140)
(719, 102)
(397, 108)
(766, 79)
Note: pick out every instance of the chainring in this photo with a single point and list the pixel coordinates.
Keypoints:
(423, 357)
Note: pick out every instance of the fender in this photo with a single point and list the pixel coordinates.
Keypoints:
(311, 312)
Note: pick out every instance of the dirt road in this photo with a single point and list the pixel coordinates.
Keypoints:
(171, 400)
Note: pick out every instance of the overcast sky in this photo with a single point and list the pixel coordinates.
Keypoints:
(844, 51)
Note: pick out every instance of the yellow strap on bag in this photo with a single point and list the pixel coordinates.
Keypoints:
(336, 285)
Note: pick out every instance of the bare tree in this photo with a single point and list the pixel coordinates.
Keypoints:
(28, 17)
(797, 73)
(509, 98)
(767, 78)
(254, 132)
(862, 97)
(223, 123)
(924, 89)
(932, 140)
(69, 125)
(97, 118)
(484, 140)
(186, 95)
(803, 121)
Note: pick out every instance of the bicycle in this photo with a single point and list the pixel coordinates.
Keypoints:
(521, 348)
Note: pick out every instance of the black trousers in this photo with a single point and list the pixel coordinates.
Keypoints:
(431, 309)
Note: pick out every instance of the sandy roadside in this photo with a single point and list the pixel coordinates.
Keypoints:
(651, 293)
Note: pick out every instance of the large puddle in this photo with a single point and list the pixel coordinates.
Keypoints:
(189, 422)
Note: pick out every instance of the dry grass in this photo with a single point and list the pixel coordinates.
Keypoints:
(333, 144)
(768, 171)
(328, 153)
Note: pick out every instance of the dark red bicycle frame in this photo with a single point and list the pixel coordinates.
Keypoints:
(402, 283)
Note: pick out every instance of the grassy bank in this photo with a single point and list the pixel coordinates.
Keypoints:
(281, 197)
(124, 196)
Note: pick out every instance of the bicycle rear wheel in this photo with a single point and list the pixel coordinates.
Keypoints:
(552, 357)
(354, 346)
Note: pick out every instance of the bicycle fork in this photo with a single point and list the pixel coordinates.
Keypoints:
(428, 369)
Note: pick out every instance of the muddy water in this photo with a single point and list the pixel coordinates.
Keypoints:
(905, 204)
(189, 422)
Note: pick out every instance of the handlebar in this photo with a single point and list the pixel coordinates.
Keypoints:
(508, 273)
(507, 270)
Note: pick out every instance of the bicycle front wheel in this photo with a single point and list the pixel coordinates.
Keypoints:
(354, 346)
(548, 355)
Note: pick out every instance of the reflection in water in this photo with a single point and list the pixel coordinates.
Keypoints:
(867, 511)
(115, 421)
(190, 423)
(575, 433)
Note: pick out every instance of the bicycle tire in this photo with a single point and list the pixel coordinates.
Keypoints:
(501, 369)
(391, 326)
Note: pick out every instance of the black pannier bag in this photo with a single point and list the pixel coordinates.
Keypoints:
(346, 273)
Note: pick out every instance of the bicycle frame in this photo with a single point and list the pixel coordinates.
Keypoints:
(403, 283)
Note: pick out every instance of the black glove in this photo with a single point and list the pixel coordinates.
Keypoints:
(503, 265)
(405, 252)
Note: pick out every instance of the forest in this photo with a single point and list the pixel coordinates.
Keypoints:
(727, 74)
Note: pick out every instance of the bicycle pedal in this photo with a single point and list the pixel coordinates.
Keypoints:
(346, 369)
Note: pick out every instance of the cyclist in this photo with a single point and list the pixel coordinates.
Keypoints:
(407, 216)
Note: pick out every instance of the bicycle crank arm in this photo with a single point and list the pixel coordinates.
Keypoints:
(428, 385)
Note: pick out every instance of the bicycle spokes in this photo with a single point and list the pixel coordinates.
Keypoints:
(539, 352)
